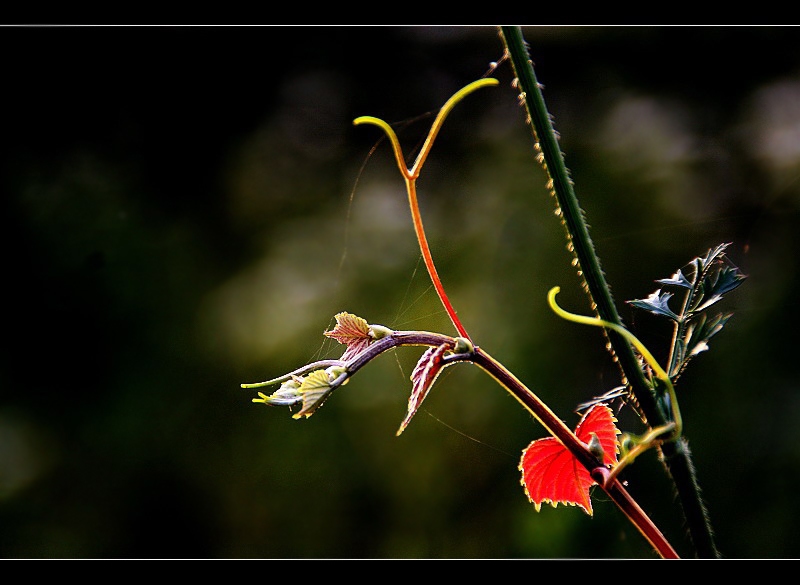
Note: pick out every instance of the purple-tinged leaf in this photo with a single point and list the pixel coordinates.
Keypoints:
(422, 378)
(353, 332)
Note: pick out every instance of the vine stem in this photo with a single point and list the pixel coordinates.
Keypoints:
(611, 486)
(534, 405)
(675, 454)
(419, 230)
(548, 419)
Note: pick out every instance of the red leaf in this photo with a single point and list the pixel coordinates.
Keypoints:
(550, 473)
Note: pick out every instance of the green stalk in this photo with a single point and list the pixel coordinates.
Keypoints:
(675, 454)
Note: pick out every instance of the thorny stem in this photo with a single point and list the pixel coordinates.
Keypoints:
(675, 454)
(666, 432)
(677, 334)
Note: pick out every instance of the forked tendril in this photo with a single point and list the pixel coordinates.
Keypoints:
(633, 446)
(410, 176)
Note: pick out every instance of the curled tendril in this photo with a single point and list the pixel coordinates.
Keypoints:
(410, 177)
(413, 172)
(637, 445)
(596, 321)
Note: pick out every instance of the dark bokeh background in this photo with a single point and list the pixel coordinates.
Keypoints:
(186, 209)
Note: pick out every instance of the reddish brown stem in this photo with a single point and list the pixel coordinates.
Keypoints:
(554, 425)
(558, 429)
(428, 258)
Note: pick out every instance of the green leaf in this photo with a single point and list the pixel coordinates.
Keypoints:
(316, 387)
(677, 279)
(717, 283)
(657, 303)
(699, 332)
(705, 280)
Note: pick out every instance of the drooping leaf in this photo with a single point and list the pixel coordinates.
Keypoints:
(551, 474)
(422, 378)
(287, 395)
(677, 279)
(657, 303)
(351, 331)
(314, 389)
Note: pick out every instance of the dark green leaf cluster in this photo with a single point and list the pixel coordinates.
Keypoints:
(703, 282)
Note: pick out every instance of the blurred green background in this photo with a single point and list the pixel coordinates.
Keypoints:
(186, 209)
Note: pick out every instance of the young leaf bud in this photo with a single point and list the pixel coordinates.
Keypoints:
(595, 447)
(379, 331)
(463, 345)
